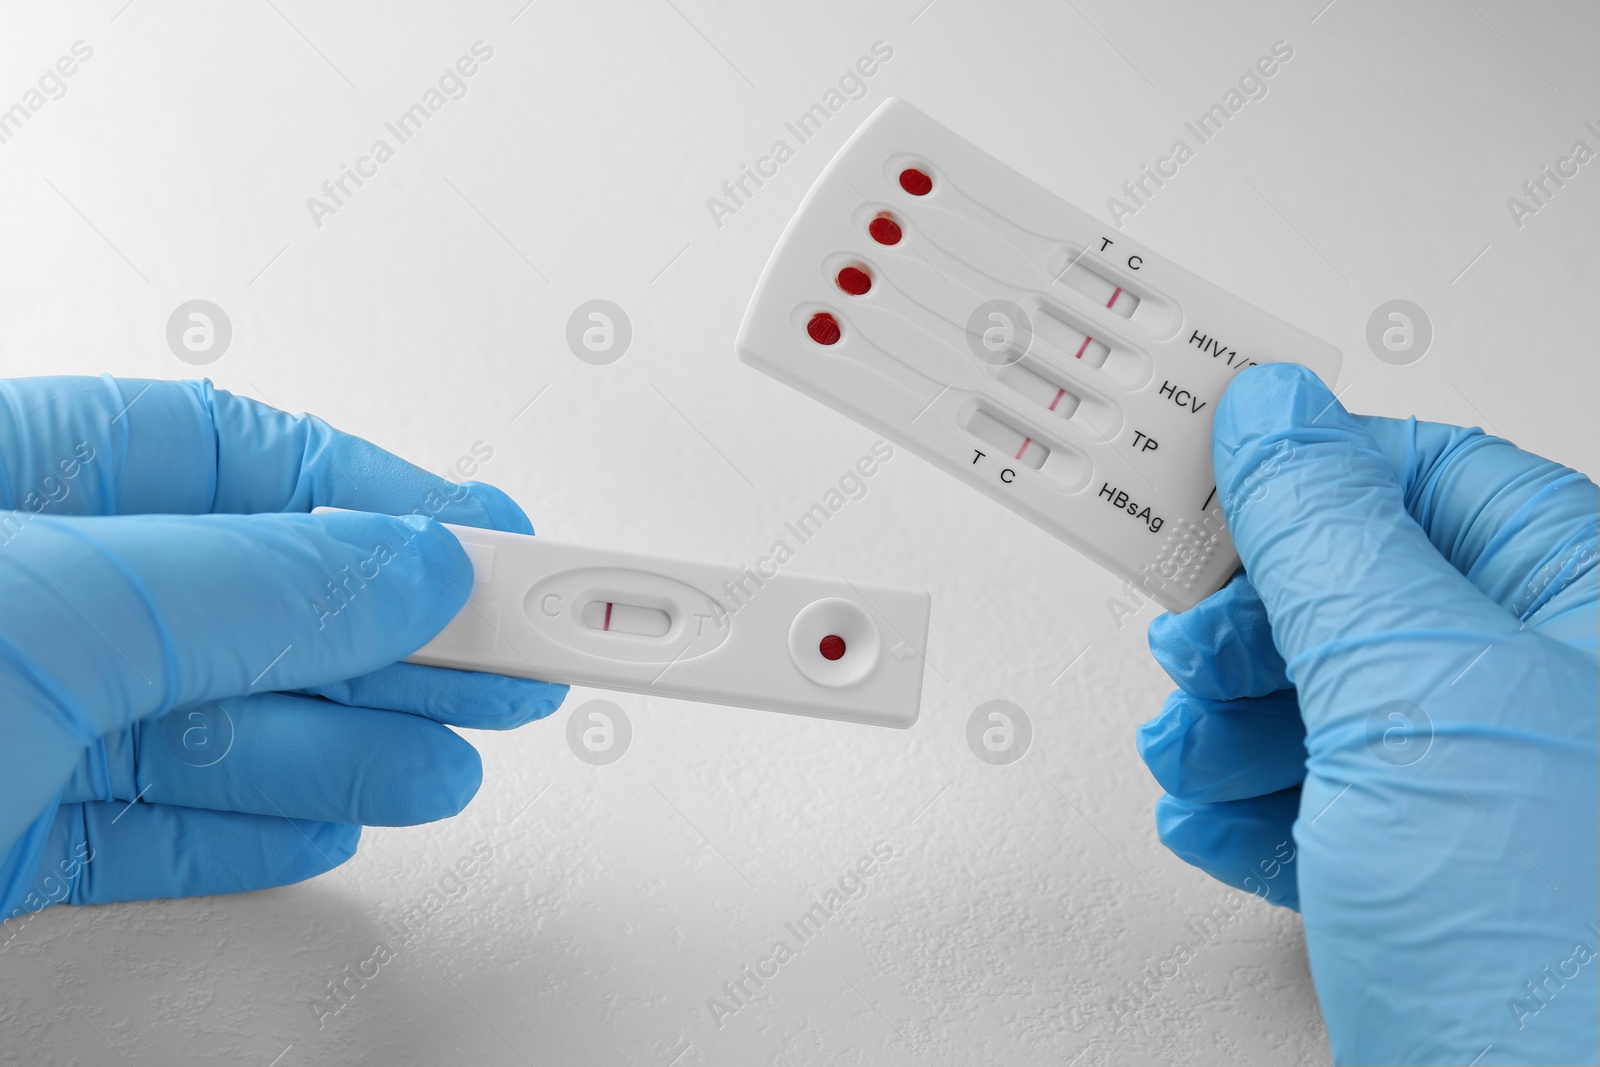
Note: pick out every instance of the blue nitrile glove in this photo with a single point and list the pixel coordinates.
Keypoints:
(1389, 722)
(201, 698)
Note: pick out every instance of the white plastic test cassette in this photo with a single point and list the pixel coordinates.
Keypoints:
(934, 294)
(559, 612)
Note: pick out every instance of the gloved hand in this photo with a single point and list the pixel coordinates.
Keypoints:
(1389, 721)
(202, 698)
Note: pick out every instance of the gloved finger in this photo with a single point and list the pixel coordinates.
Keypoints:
(1247, 844)
(291, 756)
(102, 853)
(1522, 528)
(1208, 751)
(472, 699)
(1221, 648)
(1320, 521)
(129, 617)
(110, 446)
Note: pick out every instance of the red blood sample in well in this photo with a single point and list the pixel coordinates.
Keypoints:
(823, 328)
(831, 647)
(884, 230)
(854, 280)
(915, 182)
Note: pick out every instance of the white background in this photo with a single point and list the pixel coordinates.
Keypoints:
(431, 309)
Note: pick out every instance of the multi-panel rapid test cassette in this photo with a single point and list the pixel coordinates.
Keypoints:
(934, 294)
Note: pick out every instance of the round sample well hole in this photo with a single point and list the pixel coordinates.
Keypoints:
(916, 182)
(823, 328)
(854, 280)
(885, 230)
(835, 643)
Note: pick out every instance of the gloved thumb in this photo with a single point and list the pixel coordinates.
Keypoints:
(1350, 581)
(122, 618)
(110, 620)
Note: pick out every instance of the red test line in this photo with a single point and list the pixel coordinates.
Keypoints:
(1026, 441)
(1061, 392)
(607, 624)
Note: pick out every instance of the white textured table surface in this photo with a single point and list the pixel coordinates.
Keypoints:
(429, 308)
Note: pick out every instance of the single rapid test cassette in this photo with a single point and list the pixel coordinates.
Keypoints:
(823, 647)
(934, 294)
